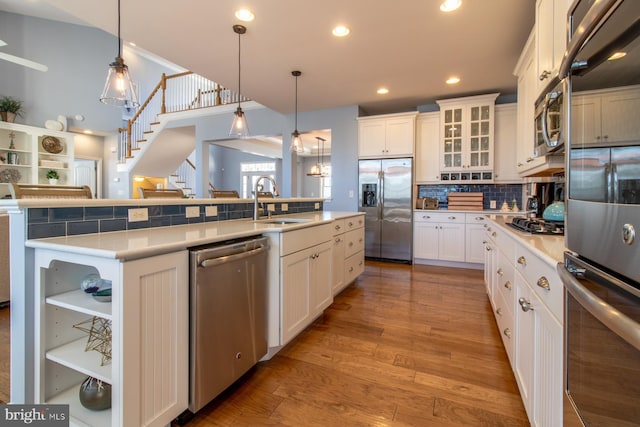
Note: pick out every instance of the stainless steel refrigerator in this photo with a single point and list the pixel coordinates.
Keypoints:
(385, 196)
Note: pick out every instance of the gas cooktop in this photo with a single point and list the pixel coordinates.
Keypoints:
(537, 226)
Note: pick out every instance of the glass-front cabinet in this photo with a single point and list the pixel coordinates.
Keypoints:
(466, 150)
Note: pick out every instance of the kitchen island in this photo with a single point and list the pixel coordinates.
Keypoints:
(149, 308)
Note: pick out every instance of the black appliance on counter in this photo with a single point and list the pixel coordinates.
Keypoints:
(601, 273)
(544, 194)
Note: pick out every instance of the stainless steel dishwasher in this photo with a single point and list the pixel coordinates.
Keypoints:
(228, 315)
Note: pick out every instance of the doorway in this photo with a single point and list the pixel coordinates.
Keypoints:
(88, 171)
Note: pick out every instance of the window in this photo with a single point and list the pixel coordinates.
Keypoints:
(250, 172)
(325, 184)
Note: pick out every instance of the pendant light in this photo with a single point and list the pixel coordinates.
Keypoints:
(239, 127)
(296, 139)
(118, 89)
(316, 170)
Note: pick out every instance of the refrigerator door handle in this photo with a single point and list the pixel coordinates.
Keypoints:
(381, 198)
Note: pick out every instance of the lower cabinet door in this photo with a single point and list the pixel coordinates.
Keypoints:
(295, 271)
(425, 240)
(320, 289)
(451, 242)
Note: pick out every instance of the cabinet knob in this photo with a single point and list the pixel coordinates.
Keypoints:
(493, 234)
(543, 282)
(507, 332)
(522, 260)
(488, 249)
(520, 164)
(337, 227)
(360, 240)
(525, 305)
(350, 269)
(508, 285)
(361, 262)
(350, 224)
(545, 74)
(338, 240)
(350, 244)
(499, 311)
(500, 272)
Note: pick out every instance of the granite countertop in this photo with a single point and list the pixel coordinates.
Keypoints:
(550, 248)
(133, 244)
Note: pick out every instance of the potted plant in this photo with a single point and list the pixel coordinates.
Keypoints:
(10, 107)
(52, 176)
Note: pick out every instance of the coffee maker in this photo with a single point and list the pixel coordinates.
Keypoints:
(542, 195)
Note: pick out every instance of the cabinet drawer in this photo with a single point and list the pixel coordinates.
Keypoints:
(505, 273)
(440, 217)
(504, 319)
(542, 279)
(353, 242)
(338, 226)
(476, 218)
(297, 240)
(353, 267)
(503, 241)
(354, 222)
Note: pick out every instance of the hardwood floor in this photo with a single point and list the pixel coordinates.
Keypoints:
(402, 346)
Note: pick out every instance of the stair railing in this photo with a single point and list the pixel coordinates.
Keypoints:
(185, 177)
(173, 93)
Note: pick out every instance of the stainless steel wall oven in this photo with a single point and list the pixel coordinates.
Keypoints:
(601, 273)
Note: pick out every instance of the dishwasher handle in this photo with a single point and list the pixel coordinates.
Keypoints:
(210, 262)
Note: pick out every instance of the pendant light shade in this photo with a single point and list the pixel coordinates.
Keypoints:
(317, 169)
(239, 127)
(118, 89)
(296, 139)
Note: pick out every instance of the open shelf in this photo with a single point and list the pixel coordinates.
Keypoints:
(72, 355)
(79, 414)
(82, 302)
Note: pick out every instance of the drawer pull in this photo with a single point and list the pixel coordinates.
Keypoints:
(493, 234)
(350, 244)
(500, 272)
(361, 262)
(338, 240)
(360, 240)
(425, 217)
(508, 285)
(522, 260)
(337, 227)
(489, 229)
(350, 269)
(488, 249)
(499, 311)
(543, 282)
(350, 224)
(452, 217)
(507, 332)
(479, 218)
(525, 305)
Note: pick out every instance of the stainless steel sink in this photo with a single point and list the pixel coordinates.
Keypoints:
(283, 221)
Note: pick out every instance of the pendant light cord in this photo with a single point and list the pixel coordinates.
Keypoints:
(239, 65)
(296, 119)
(119, 39)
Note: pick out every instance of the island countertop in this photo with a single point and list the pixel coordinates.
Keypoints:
(134, 244)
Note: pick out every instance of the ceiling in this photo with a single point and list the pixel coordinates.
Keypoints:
(409, 47)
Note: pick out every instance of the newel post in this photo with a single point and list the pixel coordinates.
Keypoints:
(163, 81)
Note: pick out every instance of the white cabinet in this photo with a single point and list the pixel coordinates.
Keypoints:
(348, 251)
(36, 151)
(505, 170)
(306, 277)
(386, 135)
(475, 237)
(605, 116)
(467, 138)
(551, 36)
(427, 148)
(527, 296)
(149, 330)
(439, 236)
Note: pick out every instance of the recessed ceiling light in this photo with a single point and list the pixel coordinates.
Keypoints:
(450, 5)
(245, 15)
(617, 55)
(341, 31)
(383, 91)
(453, 80)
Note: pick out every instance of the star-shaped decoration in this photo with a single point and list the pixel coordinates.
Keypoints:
(99, 330)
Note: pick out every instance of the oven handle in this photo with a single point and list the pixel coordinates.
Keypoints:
(623, 326)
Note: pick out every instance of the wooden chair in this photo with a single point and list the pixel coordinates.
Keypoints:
(224, 194)
(153, 193)
(37, 191)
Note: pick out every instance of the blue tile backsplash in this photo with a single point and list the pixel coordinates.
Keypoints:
(497, 192)
(56, 222)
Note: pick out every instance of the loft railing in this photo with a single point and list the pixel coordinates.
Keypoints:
(176, 92)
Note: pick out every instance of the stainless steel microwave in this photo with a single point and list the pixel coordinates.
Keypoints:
(549, 120)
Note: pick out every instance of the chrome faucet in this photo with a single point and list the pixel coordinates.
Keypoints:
(276, 193)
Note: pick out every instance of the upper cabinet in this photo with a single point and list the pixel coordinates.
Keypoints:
(389, 135)
(505, 170)
(30, 152)
(606, 116)
(551, 39)
(466, 138)
(427, 148)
